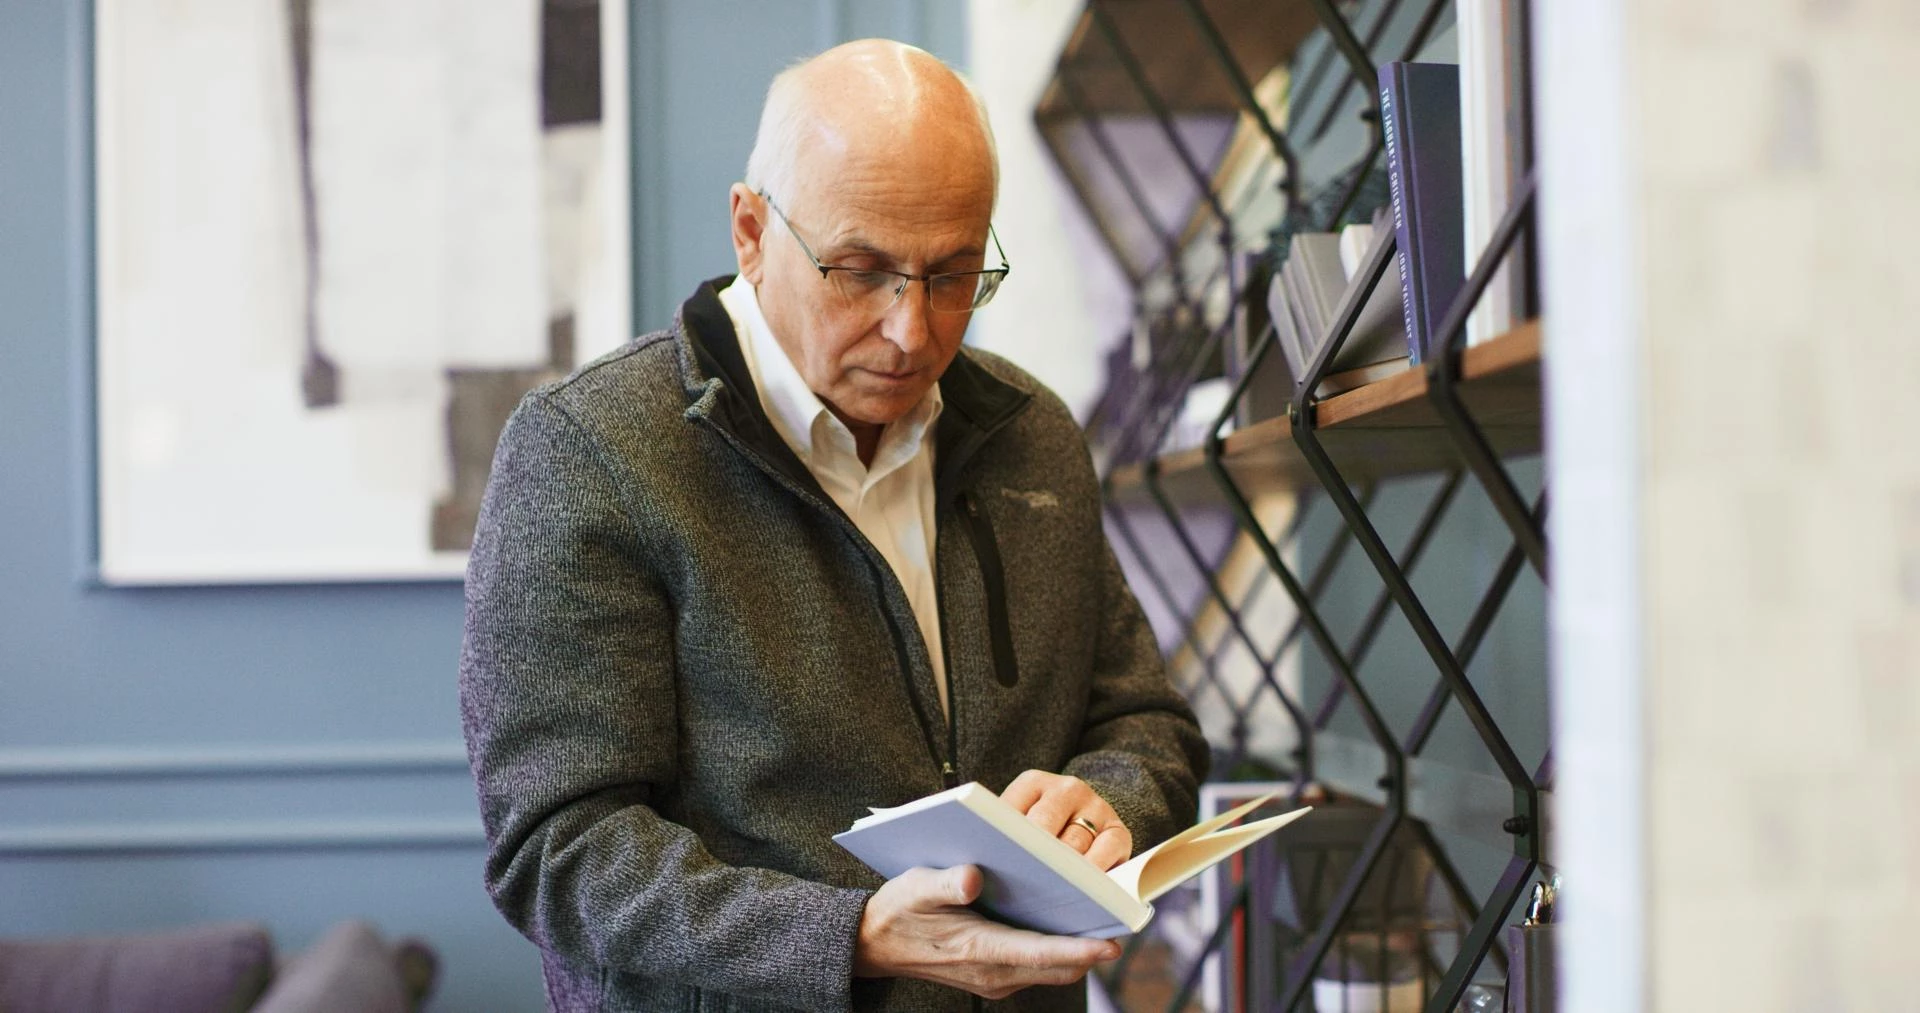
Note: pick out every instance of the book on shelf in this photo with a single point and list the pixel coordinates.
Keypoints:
(1492, 150)
(1381, 327)
(1305, 300)
(1290, 352)
(1286, 333)
(1356, 241)
(1271, 387)
(1032, 879)
(1306, 324)
(1193, 420)
(1323, 281)
(1420, 120)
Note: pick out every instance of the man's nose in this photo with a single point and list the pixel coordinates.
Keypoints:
(909, 323)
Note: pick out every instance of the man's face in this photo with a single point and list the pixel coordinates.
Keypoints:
(870, 365)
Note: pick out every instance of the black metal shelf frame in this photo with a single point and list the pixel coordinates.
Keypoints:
(1143, 425)
(1450, 661)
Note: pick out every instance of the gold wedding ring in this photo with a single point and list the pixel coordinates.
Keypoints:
(1085, 824)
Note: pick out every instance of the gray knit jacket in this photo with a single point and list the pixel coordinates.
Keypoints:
(685, 668)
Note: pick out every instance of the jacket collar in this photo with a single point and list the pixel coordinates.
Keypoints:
(720, 386)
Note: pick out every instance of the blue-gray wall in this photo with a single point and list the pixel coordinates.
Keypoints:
(287, 754)
(699, 72)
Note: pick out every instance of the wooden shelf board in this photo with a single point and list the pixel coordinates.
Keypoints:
(1501, 383)
(1385, 429)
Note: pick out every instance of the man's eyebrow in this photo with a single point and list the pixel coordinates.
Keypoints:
(856, 245)
(968, 251)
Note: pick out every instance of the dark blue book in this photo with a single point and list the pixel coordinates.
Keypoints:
(1420, 118)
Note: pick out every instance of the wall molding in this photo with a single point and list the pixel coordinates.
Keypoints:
(241, 835)
(428, 756)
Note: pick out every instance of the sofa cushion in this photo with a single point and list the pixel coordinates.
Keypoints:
(351, 968)
(204, 969)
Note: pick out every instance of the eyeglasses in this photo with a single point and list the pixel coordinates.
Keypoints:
(875, 290)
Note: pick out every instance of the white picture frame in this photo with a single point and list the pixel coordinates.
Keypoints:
(334, 240)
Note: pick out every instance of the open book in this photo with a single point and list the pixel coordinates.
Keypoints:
(1034, 880)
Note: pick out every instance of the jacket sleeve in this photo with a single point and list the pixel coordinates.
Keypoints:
(567, 694)
(1141, 748)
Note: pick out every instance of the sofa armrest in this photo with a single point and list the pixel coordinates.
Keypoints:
(220, 968)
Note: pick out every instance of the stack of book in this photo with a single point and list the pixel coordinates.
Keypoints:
(1454, 151)
(1304, 302)
(1456, 148)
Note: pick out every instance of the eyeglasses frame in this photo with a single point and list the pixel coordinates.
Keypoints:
(826, 270)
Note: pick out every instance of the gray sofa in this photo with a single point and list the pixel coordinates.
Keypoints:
(223, 968)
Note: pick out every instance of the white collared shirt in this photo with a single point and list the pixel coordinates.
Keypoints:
(892, 503)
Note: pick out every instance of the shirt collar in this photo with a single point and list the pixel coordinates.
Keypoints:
(797, 413)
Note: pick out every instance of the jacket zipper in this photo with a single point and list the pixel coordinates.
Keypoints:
(986, 549)
(904, 663)
(949, 776)
(949, 770)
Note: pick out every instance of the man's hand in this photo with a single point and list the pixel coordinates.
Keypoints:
(917, 926)
(1054, 801)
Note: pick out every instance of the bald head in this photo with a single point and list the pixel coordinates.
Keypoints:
(870, 107)
(878, 159)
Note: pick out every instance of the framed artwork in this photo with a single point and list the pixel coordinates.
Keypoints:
(337, 240)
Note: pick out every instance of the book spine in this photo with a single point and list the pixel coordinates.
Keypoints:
(1391, 130)
(1515, 43)
(1280, 311)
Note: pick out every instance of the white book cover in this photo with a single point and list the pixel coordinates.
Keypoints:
(1486, 164)
(1285, 334)
(1378, 335)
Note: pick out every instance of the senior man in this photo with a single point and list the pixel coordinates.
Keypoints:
(799, 555)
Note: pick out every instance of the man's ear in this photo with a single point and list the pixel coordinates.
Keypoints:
(749, 231)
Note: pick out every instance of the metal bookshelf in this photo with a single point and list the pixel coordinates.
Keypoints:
(1159, 114)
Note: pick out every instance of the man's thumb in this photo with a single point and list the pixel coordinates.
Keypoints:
(960, 885)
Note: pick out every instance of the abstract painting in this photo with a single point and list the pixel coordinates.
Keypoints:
(337, 241)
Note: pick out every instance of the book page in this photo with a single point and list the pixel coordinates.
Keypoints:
(877, 814)
(1128, 873)
(1169, 869)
